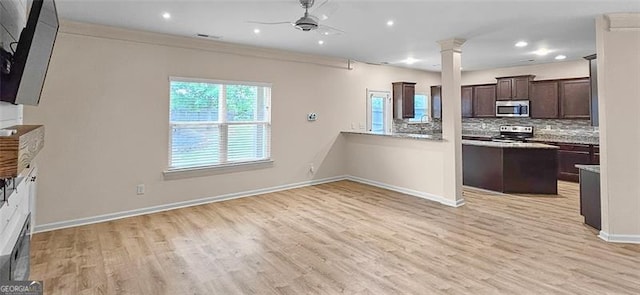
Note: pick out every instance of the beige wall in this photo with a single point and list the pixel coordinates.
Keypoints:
(415, 166)
(557, 70)
(619, 101)
(105, 107)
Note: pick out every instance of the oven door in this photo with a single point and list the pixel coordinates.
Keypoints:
(19, 260)
(5, 268)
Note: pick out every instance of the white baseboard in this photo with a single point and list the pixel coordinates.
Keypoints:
(407, 191)
(166, 207)
(613, 238)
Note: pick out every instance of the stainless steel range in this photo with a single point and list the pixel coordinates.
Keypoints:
(514, 133)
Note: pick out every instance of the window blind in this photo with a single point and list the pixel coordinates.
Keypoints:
(218, 123)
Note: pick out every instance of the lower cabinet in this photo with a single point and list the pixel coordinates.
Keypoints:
(567, 161)
(590, 198)
(570, 155)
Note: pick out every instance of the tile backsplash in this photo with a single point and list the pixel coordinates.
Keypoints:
(490, 126)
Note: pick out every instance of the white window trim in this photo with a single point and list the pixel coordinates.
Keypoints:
(428, 104)
(182, 173)
(230, 167)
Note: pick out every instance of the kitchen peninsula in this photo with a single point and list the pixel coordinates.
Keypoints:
(413, 164)
(517, 167)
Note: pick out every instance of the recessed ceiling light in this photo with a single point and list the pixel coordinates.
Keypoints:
(561, 57)
(389, 23)
(542, 51)
(324, 17)
(256, 31)
(410, 60)
(522, 44)
(166, 15)
(320, 42)
(325, 33)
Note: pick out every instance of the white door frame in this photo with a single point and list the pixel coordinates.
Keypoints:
(388, 109)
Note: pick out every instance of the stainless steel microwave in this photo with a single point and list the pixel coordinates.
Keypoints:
(512, 108)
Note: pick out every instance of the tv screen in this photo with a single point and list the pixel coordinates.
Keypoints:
(28, 66)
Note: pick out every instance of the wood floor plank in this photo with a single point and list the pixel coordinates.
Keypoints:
(343, 238)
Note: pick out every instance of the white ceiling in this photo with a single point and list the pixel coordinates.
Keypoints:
(491, 27)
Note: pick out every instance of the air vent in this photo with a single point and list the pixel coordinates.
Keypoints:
(209, 36)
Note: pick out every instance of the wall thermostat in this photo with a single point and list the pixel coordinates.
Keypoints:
(312, 117)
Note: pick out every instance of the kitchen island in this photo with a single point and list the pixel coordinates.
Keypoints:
(530, 168)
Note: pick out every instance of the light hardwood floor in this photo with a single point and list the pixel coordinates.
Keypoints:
(343, 237)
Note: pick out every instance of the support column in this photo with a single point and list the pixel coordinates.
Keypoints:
(451, 53)
(618, 44)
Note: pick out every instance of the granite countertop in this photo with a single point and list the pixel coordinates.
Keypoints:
(487, 136)
(521, 145)
(592, 168)
(567, 139)
(431, 137)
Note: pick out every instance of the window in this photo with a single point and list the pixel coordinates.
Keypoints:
(379, 111)
(217, 123)
(420, 107)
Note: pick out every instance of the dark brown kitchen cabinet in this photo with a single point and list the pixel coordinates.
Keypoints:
(590, 197)
(436, 102)
(595, 155)
(403, 100)
(484, 100)
(572, 154)
(544, 100)
(467, 101)
(574, 98)
(513, 87)
(568, 157)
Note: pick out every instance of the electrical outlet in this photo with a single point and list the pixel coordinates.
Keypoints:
(312, 117)
(353, 126)
(140, 189)
(312, 169)
(361, 126)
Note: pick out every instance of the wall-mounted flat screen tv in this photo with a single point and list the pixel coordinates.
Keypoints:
(27, 67)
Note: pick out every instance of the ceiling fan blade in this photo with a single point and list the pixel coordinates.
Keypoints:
(321, 4)
(269, 23)
(329, 30)
(325, 9)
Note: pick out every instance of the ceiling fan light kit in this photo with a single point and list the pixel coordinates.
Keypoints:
(306, 23)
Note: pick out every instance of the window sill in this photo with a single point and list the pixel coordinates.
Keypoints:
(175, 174)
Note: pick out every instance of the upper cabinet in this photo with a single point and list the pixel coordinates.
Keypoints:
(467, 101)
(544, 100)
(574, 99)
(436, 102)
(484, 99)
(403, 100)
(513, 87)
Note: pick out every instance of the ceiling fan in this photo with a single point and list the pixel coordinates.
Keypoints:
(308, 22)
